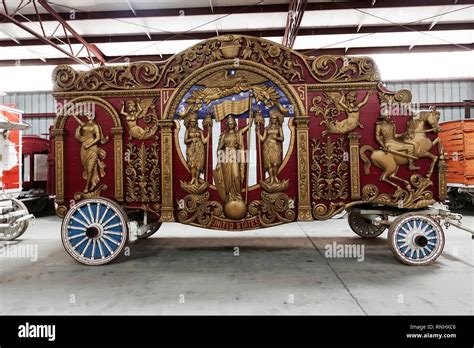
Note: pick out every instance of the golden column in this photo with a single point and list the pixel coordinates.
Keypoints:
(118, 162)
(304, 205)
(167, 170)
(354, 164)
(59, 170)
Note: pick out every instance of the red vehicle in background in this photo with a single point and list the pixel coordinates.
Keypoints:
(14, 215)
(35, 173)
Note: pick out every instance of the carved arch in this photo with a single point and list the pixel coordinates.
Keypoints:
(117, 131)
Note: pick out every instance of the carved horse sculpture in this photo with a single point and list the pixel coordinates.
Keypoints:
(415, 134)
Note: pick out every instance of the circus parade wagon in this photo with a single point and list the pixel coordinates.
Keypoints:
(239, 133)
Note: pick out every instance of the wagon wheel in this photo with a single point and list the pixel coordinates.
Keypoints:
(36, 206)
(95, 231)
(416, 239)
(364, 227)
(11, 233)
(457, 200)
(150, 232)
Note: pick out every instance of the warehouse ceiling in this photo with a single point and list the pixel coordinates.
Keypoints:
(128, 30)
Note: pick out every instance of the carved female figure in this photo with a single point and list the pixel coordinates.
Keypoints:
(272, 139)
(229, 172)
(195, 150)
(89, 133)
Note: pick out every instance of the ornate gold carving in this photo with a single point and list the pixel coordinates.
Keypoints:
(387, 97)
(167, 171)
(415, 195)
(118, 162)
(200, 55)
(59, 164)
(333, 104)
(399, 149)
(230, 170)
(354, 163)
(330, 69)
(143, 75)
(135, 110)
(61, 211)
(349, 86)
(143, 170)
(323, 212)
(329, 176)
(89, 133)
(91, 194)
(117, 130)
(273, 208)
(304, 207)
(230, 46)
(195, 154)
(442, 174)
(255, 72)
(277, 57)
(272, 150)
(197, 209)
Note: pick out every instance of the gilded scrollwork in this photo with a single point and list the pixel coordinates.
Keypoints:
(323, 212)
(331, 69)
(147, 75)
(329, 170)
(198, 209)
(415, 195)
(143, 173)
(273, 208)
(133, 76)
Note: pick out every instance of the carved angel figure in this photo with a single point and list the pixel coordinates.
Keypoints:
(133, 111)
(348, 104)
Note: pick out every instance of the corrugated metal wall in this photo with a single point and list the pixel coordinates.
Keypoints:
(33, 103)
(423, 92)
(39, 125)
(439, 92)
(30, 103)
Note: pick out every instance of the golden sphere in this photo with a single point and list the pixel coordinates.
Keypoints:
(235, 210)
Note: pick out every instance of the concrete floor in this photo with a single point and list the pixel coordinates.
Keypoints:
(281, 270)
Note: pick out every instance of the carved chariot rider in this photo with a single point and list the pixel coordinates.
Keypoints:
(390, 141)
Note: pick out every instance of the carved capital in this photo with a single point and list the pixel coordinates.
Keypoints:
(302, 122)
(165, 125)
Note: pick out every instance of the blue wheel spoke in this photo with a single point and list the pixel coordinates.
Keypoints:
(97, 213)
(104, 215)
(84, 216)
(79, 221)
(106, 245)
